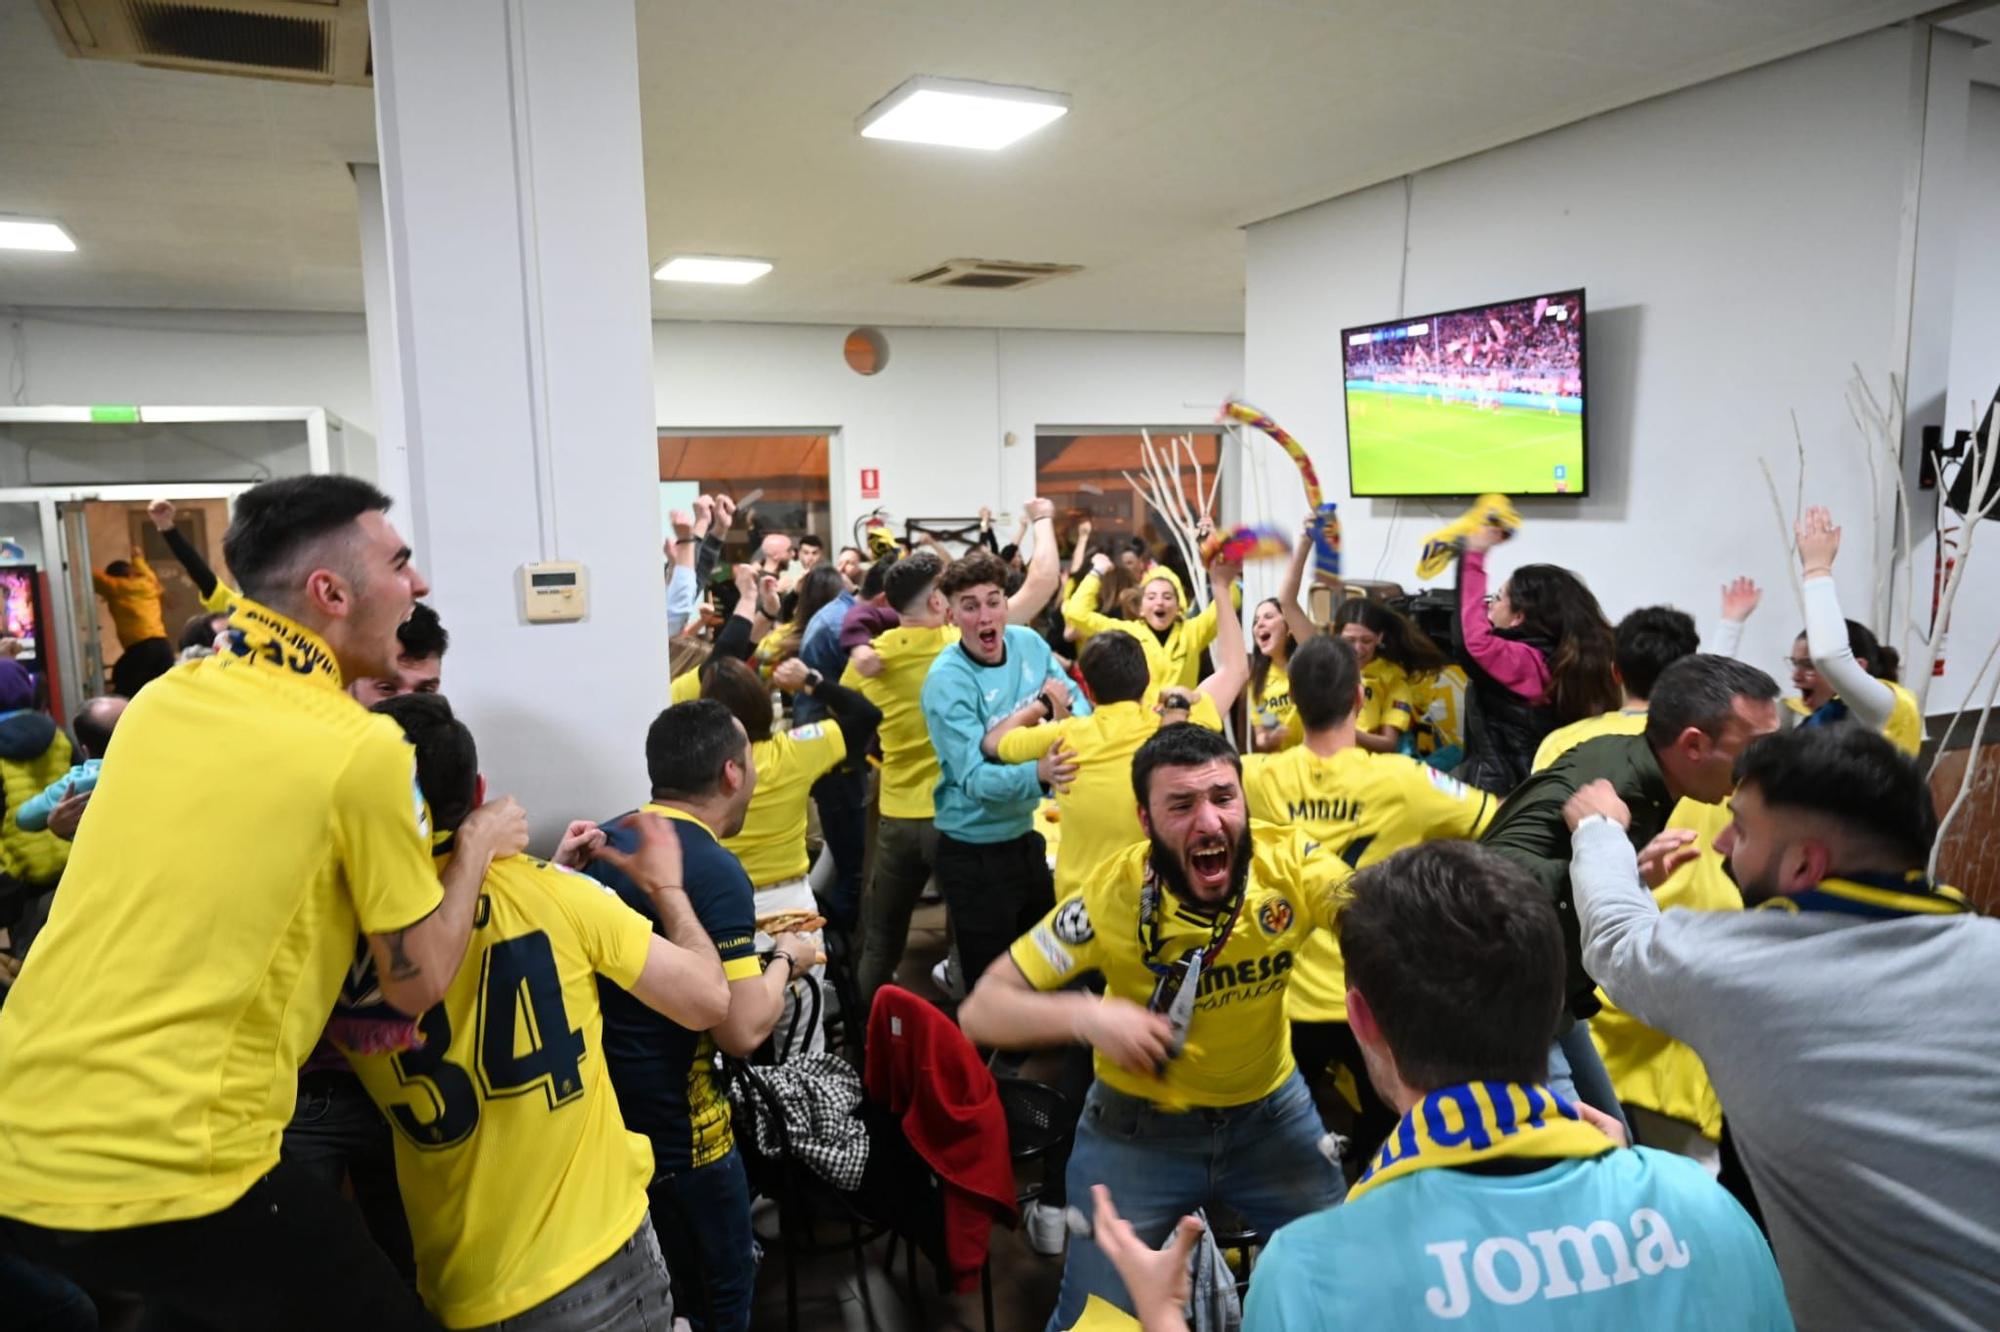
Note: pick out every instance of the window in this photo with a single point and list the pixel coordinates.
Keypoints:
(1084, 474)
(790, 470)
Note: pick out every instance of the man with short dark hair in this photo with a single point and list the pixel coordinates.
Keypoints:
(526, 1193)
(188, 968)
(421, 642)
(1496, 1204)
(991, 863)
(1847, 1027)
(1194, 931)
(811, 548)
(702, 772)
(1704, 712)
(1361, 806)
(1647, 641)
(132, 591)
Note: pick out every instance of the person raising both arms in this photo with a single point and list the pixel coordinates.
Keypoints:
(1840, 668)
(1173, 640)
(1539, 655)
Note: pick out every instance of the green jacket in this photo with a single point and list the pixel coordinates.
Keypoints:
(1530, 831)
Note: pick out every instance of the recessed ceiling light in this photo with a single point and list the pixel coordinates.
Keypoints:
(708, 268)
(33, 233)
(961, 114)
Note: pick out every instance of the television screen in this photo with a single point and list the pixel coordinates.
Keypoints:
(1469, 402)
(20, 608)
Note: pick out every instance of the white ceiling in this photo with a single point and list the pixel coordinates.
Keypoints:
(1190, 119)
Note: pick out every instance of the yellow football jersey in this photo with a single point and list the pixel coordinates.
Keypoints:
(685, 687)
(515, 1166)
(1439, 702)
(1238, 1044)
(255, 820)
(1565, 738)
(1649, 1068)
(1174, 661)
(1362, 807)
(1386, 698)
(1905, 727)
(772, 844)
(909, 764)
(1271, 708)
(1099, 814)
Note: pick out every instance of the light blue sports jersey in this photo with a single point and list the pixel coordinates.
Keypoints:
(977, 799)
(1630, 1239)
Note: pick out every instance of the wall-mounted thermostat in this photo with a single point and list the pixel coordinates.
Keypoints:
(554, 593)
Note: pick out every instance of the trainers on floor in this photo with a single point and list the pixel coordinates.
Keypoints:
(1045, 1228)
(945, 976)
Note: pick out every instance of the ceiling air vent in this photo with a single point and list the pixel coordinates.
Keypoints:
(990, 274)
(313, 41)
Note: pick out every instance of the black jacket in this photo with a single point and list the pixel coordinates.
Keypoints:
(1502, 729)
(1530, 831)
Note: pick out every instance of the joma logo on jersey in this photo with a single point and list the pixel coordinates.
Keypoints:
(1341, 810)
(1554, 1264)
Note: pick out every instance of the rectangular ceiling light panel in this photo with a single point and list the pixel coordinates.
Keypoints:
(959, 113)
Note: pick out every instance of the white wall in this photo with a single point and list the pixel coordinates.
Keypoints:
(933, 420)
(1741, 245)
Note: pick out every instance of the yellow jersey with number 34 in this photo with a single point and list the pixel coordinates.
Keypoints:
(1361, 807)
(515, 1165)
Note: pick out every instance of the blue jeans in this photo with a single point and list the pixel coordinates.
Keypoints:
(627, 1292)
(1577, 1071)
(704, 1220)
(38, 1300)
(1262, 1159)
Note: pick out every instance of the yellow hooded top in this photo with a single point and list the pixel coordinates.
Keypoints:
(1172, 661)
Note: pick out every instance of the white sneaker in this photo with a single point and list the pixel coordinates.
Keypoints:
(945, 976)
(1046, 1229)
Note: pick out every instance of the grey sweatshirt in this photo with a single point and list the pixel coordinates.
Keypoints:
(1858, 1062)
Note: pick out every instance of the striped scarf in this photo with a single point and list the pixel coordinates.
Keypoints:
(1877, 897)
(1481, 1121)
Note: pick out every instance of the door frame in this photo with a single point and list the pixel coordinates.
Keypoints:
(57, 558)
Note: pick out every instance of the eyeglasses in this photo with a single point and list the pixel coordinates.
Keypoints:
(1493, 597)
(1799, 663)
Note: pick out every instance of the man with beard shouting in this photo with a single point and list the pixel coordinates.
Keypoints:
(1194, 931)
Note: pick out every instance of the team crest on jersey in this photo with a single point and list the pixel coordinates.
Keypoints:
(1275, 916)
(1072, 923)
(1446, 783)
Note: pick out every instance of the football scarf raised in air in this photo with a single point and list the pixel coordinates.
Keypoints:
(1877, 897)
(1482, 1121)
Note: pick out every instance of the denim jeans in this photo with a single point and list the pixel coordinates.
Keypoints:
(704, 1220)
(627, 1292)
(337, 1133)
(38, 1300)
(1577, 1071)
(1262, 1159)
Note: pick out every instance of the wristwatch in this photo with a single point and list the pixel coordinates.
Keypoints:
(1048, 705)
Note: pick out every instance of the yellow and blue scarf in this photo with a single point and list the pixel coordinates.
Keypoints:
(1482, 1121)
(1878, 897)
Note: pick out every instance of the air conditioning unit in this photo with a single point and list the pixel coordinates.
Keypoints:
(990, 274)
(302, 41)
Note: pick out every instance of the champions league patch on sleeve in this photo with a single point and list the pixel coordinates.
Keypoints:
(1446, 783)
(1072, 922)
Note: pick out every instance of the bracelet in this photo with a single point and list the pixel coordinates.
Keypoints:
(1048, 706)
(791, 967)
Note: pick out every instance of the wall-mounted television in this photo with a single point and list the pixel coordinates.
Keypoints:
(1487, 399)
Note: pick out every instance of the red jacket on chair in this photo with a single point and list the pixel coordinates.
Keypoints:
(921, 1067)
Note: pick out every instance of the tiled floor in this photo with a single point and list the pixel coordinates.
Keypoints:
(1024, 1282)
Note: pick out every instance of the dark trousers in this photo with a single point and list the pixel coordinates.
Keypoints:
(37, 1300)
(842, 798)
(703, 1218)
(337, 1133)
(290, 1253)
(995, 892)
(140, 664)
(905, 852)
(1316, 1046)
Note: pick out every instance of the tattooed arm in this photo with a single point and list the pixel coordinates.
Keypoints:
(415, 965)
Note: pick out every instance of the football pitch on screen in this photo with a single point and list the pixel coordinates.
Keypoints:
(1405, 445)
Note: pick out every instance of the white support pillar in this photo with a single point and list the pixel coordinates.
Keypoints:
(385, 381)
(514, 201)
